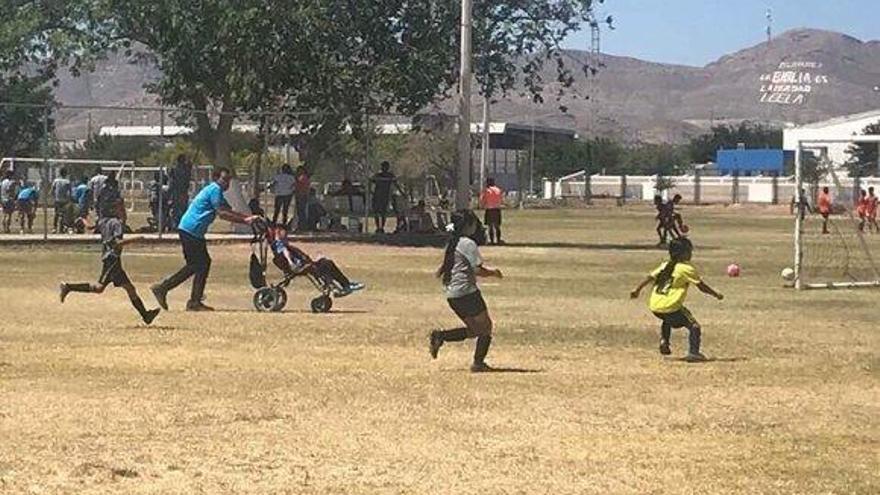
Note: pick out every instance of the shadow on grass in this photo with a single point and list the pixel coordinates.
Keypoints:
(594, 247)
(295, 311)
(713, 360)
(160, 328)
(497, 370)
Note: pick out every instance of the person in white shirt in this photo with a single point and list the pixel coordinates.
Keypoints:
(282, 187)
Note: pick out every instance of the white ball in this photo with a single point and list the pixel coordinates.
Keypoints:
(788, 274)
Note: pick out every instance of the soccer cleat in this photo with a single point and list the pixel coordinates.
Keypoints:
(697, 357)
(664, 348)
(356, 286)
(198, 306)
(63, 291)
(434, 345)
(151, 315)
(480, 368)
(161, 296)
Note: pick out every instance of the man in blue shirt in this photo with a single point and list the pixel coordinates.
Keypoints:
(27, 207)
(205, 207)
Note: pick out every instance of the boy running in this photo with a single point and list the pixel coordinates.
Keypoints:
(26, 204)
(8, 195)
(671, 281)
(824, 205)
(491, 200)
(111, 227)
(462, 264)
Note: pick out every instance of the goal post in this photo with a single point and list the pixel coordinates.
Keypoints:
(835, 253)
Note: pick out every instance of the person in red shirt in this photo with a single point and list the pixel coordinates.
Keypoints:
(301, 187)
(871, 210)
(491, 199)
(862, 210)
(824, 207)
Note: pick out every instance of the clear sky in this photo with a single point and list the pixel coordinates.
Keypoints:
(696, 32)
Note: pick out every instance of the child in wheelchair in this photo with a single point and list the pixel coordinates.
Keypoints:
(294, 262)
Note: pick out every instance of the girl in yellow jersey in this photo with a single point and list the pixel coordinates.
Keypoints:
(671, 281)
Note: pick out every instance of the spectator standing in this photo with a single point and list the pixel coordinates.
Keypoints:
(382, 181)
(96, 185)
(178, 187)
(301, 190)
(62, 194)
(282, 186)
(8, 195)
(492, 199)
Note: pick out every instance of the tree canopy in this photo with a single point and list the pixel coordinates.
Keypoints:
(703, 148)
(863, 157)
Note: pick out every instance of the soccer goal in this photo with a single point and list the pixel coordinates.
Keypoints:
(832, 253)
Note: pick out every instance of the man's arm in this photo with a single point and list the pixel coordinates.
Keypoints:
(230, 215)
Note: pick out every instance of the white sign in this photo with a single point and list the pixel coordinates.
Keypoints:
(792, 82)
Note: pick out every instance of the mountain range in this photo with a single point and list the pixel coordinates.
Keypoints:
(800, 76)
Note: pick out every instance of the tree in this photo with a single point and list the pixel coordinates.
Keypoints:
(704, 148)
(22, 129)
(863, 157)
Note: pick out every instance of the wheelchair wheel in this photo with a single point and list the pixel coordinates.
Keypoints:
(281, 299)
(322, 304)
(266, 299)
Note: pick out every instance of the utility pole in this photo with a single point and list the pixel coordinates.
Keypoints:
(463, 186)
(484, 155)
(769, 16)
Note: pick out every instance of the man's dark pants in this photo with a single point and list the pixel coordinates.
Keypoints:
(198, 263)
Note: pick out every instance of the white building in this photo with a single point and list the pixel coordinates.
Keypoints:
(844, 127)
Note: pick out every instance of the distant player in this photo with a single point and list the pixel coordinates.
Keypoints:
(824, 205)
(862, 209)
(671, 281)
(62, 194)
(461, 266)
(111, 227)
(669, 220)
(871, 210)
(26, 204)
(491, 200)
(661, 231)
(8, 194)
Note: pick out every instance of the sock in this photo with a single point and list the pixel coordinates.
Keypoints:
(665, 332)
(694, 338)
(138, 305)
(456, 335)
(80, 287)
(482, 348)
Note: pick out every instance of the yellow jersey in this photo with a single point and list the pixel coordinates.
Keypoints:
(670, 297)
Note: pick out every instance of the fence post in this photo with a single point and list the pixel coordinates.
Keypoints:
(622, 190)
(734, 191)
(44, 179)
(160, 210)
(588, 188)
(857, 189)
(774, 181)
(697, 192)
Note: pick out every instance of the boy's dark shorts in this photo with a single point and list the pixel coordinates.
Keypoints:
(679, 319)
(468, 306)
(492, 216)
(9, 207)
(25, 206)
(380, 205)
(113, 273)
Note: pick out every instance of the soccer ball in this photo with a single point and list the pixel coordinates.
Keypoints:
(788, 274)
(685, 229)
(733, 270)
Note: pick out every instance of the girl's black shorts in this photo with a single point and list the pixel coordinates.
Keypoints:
(679, 319)
(468, 306)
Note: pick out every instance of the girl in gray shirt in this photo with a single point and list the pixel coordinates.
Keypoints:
(462, 264)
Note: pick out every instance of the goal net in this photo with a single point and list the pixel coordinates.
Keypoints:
(840, 251)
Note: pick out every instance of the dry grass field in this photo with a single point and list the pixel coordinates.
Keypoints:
(351, 403)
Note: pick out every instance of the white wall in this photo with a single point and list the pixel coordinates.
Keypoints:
(841, 128)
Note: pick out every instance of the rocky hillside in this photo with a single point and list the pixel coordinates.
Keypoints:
(802, 75)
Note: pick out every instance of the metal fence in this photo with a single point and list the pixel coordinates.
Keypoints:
(696, 189)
